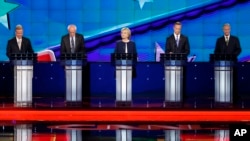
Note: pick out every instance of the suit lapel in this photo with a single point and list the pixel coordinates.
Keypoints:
(68, 43)
(22, 43)
(76, 42)
(16, 44)
(224, 41)
(173, 39)
(229, 40)
(180, 40)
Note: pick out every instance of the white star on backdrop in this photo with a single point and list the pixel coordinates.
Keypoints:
(5, 8)
(142, 2)
(4, 21)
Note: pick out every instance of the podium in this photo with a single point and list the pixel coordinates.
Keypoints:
(173, 67)
(23, 75)
(73, 63)
(223, 76)
(23, 132)
(123, 63)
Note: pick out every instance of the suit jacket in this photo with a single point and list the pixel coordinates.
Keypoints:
(171, 45)
(79, 44)
(12, 46)
(131, 48)
(120, 47)
(232, 48)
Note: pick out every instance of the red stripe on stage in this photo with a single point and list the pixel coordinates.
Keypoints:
(124, 116)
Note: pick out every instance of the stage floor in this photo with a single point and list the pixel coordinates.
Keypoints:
(124, 115)
(99, 119)
(105, 110)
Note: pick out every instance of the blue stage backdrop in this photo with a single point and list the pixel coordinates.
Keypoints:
(45, 21)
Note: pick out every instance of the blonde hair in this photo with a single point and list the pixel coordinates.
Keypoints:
(129, 31)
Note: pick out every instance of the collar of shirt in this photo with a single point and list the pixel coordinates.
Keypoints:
(227, 36)
(18, 39)
(175, 36)
(73, 38)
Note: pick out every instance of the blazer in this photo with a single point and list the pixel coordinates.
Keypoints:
(120, 47)
(233, 46)
(12, 46)
(79, 44)
(171, 45)
(131, 48)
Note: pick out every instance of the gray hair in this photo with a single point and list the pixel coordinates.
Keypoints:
(18, 27)
(226, 24)
(72, 25)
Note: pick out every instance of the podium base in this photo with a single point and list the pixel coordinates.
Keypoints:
(172, 105)
(123, 104)
(223, 105)
(73, 104)
(23, 104)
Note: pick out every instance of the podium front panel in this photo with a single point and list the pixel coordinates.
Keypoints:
(73, 83)
(223, 72)
(173, 83)
(123, 83)
(23, 76)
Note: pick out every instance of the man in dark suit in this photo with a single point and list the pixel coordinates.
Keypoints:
(72, 42)
(19, 44)
(177, 42)
(227, 44)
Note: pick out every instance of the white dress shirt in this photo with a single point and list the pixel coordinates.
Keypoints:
(19, 42)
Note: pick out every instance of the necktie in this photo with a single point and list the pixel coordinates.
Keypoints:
(177, 40)
(72, 45)
(126, 48)
(227, 40)
(19, 42)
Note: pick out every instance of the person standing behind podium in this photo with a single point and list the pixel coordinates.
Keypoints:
(72, 42)
(125, 45)
(227, 44)
(177, 42)
(19, 44)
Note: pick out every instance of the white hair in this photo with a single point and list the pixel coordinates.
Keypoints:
(72, 25)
